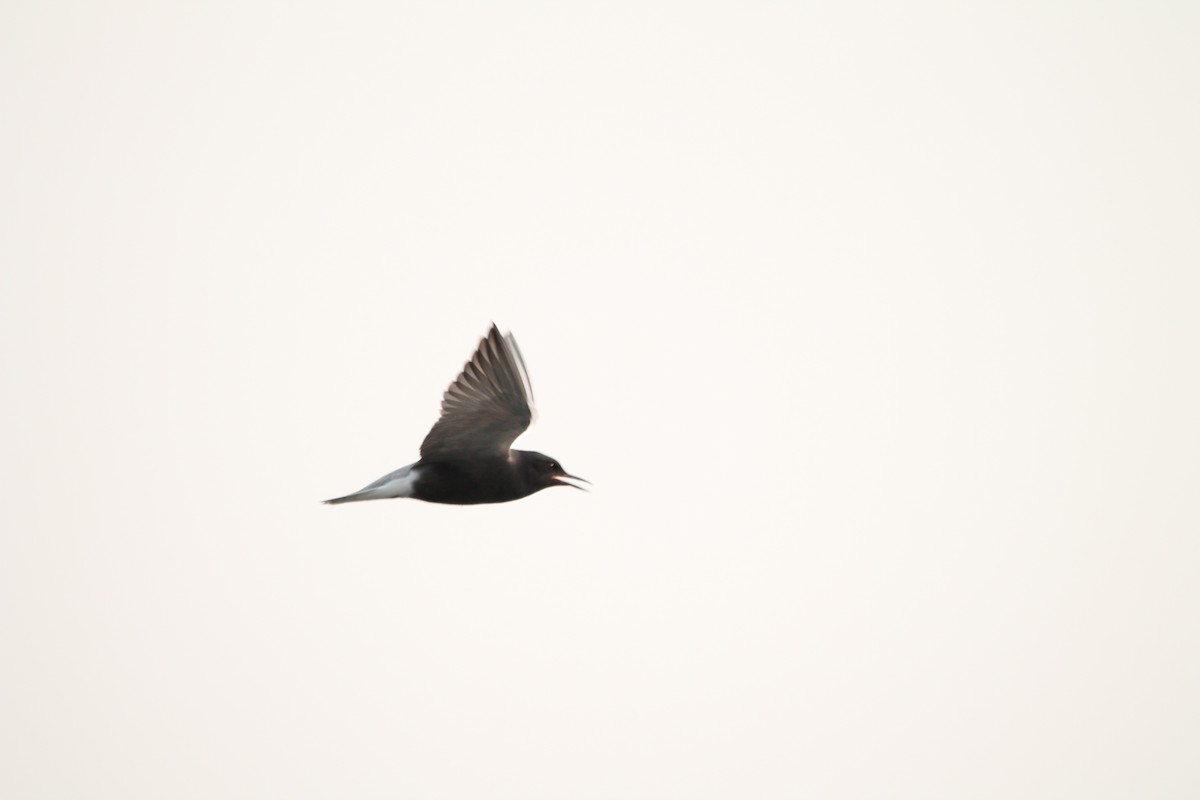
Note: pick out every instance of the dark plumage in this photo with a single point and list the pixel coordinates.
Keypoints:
(466, 457)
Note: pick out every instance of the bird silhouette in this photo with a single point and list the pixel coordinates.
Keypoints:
(467, 456)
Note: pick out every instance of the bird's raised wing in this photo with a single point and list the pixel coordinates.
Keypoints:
(488, 406)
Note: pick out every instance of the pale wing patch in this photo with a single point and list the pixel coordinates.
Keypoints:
(526, 385)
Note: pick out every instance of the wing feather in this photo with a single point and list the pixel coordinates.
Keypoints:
(488, 406)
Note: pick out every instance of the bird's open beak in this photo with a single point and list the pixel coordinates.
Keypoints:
(572, 477)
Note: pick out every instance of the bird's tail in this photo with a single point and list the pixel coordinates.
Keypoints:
(394, 484)
(350, 498)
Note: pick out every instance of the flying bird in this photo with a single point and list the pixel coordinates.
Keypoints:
(467, 456)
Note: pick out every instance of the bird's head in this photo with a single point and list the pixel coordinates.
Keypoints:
(544, 472)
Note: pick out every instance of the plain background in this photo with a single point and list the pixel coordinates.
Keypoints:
(874, 326)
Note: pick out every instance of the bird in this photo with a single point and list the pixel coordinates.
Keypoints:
(467, 456)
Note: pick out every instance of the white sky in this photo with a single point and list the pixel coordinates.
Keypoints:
(875, 326)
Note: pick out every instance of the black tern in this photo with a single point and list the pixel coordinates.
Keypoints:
(466, 457)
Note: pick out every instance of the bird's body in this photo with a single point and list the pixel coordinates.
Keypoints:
(466, 457)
